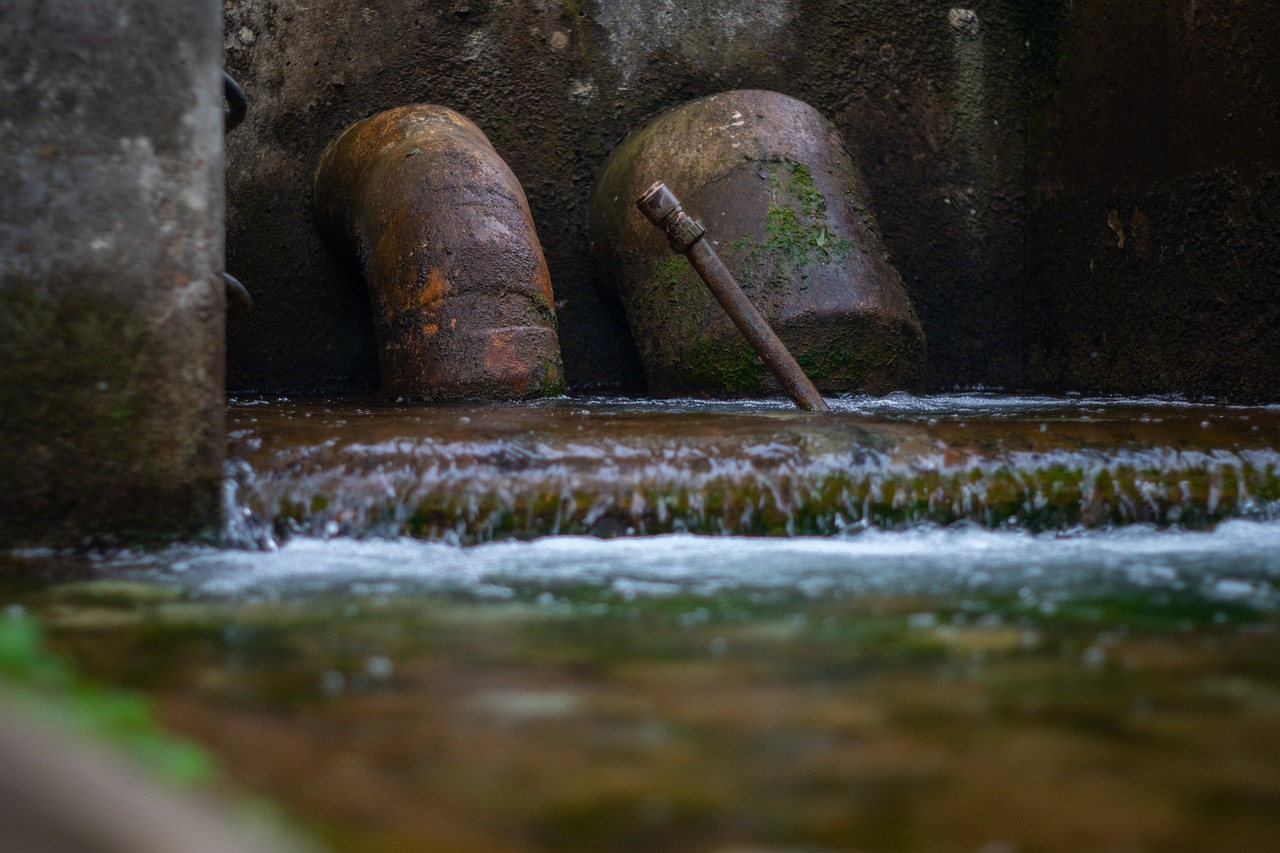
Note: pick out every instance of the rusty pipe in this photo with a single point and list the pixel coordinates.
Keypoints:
(461, 296)
(661, 207)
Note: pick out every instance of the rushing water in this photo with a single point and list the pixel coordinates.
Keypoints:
(1013, 624)
(467, 473)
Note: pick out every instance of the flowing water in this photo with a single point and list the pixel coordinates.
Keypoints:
(968, 622)
(468, 474)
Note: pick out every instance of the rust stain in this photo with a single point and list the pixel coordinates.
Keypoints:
(501, 358)
(1116, 226)
(436, 290)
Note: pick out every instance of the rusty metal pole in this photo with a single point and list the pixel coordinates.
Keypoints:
(661, 207)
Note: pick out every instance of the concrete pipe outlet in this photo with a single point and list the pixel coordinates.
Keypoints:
(788, 211)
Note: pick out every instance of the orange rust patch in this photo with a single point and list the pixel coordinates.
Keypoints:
(436, 289)
(503, 359)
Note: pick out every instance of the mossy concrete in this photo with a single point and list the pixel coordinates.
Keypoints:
(111, 312)
(471, 473)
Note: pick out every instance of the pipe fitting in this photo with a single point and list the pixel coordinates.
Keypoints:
(661, 207)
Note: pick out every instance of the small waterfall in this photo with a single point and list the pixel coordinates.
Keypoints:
(471, 474)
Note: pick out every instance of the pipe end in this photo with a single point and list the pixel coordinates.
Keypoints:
(658, 203)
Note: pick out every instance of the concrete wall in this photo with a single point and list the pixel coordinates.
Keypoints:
(1154, 140)
(111, 327)
(1079, 196)
(928, 96)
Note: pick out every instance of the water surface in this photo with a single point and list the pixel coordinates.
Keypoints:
(962, 674)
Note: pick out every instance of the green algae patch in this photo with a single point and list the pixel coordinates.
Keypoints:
(791, 502)
(102, 444)
(734, 368)
(836, 363)
(795, 234)
(670, 273)
(42, 685)
(795, 503)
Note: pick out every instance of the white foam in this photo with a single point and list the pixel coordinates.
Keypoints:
(920, 560)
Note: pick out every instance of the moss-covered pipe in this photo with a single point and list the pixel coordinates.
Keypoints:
(792, 221)
(462, 301)
(661, 207)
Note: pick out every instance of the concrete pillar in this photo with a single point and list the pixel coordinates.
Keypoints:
(111, 246)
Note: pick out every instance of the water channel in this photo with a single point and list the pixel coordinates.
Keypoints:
(969, 622)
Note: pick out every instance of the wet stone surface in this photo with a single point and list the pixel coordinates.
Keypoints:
(471, 473)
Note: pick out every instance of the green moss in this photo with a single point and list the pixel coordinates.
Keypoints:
(667, 273)
(836, 363)
(796, 234)
(736, 369)
(102, 440)
(44, 686)
(553, 382)
(812, 202)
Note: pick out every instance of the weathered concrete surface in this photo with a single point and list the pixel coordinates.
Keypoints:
(1154, 246)
(787, 211)
(931, 107)
(462, 302)
(111, 300)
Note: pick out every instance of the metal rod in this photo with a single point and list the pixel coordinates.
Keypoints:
(661, 207)
(239, 302)
(238, 104)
